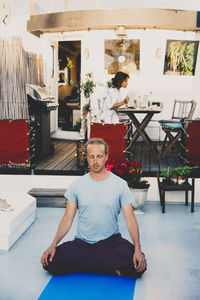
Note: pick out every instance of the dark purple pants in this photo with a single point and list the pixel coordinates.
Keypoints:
(106, 256)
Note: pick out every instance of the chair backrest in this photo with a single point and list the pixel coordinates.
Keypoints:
(115, 136)
(183, 109)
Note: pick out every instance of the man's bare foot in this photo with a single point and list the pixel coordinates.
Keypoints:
(118, 272)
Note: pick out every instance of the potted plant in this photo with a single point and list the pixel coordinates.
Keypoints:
(176, 175)
(181, 173)
(167, 173)
(132, 173)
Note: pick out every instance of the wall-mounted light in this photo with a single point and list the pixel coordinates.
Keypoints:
(121, 31)
(158, 53)
(52, 55)
(86, 53)
(121, 59)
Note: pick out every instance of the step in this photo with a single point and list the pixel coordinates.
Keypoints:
(47, 192)
(48, 197)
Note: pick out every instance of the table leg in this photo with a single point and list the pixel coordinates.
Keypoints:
(192, 201)
(173, 140)
(186, 197)
(140, 129)
(186, 194)
(159, 189)
(163, 202)
(139, 126)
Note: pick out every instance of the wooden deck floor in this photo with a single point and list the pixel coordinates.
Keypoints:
(64, 161)
(151, 163)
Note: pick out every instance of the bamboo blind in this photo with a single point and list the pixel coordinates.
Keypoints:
(34, 68)
(17, 68)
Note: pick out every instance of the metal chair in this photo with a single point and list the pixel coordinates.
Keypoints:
(182, 111)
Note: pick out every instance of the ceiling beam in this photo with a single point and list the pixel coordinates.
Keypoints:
(170, 19)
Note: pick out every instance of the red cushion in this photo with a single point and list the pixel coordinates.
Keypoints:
(115, 137)
(193, 143)
(14, 141)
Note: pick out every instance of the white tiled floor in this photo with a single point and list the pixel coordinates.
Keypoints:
(171, 243)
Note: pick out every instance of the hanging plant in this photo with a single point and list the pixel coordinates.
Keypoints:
(87, 87)
(86, 107)
(109, 84)
(69, 64)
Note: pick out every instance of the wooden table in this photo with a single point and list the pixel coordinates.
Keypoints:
(164, 186)
(140, 127)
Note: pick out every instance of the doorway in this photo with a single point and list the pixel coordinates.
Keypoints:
(69, 59)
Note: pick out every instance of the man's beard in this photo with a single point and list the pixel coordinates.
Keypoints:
(97, 169)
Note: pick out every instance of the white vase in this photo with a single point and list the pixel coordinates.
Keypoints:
(139, 197)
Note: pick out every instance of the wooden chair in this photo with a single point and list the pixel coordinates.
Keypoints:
(115, 136)
(174, 128)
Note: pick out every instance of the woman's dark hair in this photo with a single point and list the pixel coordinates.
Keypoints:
(118, 79)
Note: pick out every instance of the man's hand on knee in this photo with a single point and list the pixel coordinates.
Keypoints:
(49, 253)
(139, 261)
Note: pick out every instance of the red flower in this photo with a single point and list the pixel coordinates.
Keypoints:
(120, 172)
(109, 167)
(132, 163)
(124, 166)
(138, 165)
(129, 171)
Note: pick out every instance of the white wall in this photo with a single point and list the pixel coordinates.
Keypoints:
(21, 7)
(105, 4)
(49, 6)
(25, 183)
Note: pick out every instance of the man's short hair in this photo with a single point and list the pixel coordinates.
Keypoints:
(96, 141)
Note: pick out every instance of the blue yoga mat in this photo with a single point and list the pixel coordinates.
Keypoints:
(87, 286)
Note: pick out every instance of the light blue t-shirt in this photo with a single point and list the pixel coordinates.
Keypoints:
(99, 204)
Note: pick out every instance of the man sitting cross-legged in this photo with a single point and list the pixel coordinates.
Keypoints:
(98, 246)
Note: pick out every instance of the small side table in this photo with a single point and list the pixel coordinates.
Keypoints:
(164, 186)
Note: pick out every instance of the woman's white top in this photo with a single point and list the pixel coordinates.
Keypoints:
(109, 98)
